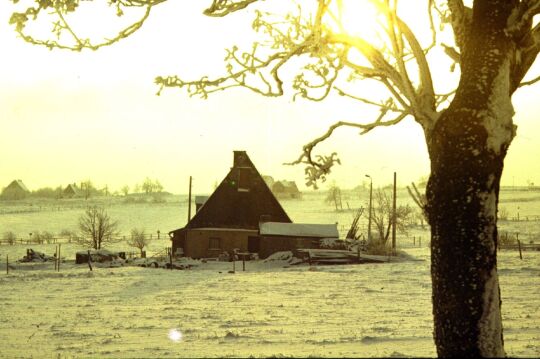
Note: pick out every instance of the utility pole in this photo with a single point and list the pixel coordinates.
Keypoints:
(370, 206)
(394, 218)
(189, 202)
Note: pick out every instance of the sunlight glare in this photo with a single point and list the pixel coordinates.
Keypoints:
(175, 335)
(355, 18)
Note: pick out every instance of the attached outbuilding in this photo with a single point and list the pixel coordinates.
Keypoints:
(276, 237)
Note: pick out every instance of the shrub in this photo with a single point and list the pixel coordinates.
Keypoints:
(502, 214)
(9, 237)
(138, 239)
(42, 237)
(505, 239)
(377, 247)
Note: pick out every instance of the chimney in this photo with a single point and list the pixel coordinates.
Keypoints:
(240, 159)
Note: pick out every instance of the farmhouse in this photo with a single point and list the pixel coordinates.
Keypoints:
(230, 217)
(71, 191)
(15, 190)
(242, 214)
(286, 189)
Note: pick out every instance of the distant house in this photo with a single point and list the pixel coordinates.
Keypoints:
(286, 189)
(276, 237)
(71, 191)
(200, 201)
(269, 180)
(230, 217)
(15, 190)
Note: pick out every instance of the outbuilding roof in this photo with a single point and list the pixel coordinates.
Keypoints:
(299, 230)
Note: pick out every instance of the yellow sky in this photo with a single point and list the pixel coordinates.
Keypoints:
(66, 117)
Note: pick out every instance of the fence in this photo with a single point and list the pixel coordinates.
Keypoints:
(67, 239)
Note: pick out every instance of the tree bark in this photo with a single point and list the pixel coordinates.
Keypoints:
(467, 147)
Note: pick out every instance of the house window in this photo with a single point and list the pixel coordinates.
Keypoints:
(244, 179)
(214, 243)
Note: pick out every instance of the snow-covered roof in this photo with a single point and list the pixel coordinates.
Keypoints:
(299, 229)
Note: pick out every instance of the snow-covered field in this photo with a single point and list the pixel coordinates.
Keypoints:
(272, 309)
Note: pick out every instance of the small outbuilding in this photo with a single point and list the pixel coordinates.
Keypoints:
(15, 190)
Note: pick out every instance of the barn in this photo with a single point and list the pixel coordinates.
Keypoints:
(230, 217)
(15, 190)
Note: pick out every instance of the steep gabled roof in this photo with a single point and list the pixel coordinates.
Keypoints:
(17, 185)
(240, 200)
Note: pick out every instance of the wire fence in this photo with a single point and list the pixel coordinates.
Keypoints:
(41, 239)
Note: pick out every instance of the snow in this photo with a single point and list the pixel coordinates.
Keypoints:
(272, 309)
(490, 335)
(299, 229)
(498, 119)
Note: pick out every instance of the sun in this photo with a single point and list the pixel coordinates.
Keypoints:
(357, 18)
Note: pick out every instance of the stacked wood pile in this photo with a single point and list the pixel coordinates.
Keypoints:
(34, 256)
(333, 256)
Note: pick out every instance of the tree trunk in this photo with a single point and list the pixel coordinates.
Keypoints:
(467, 147)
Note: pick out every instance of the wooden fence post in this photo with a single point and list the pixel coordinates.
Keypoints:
(519, 247)
(89, 261)
(59, 250)
(243, 263)
(170, 257)
(7, 264)
(55, 257)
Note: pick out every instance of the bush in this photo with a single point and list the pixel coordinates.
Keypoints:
(502, 214)
(9, 237)
(377, 247)
(42, 237)
(505, 239)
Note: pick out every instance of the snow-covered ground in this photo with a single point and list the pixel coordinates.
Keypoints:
(272, 309)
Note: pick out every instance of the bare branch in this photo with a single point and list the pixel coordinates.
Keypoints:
(319, 168)
(530, 82)
(220, 8)
(529, 47)
(461, 20)
(61, 9)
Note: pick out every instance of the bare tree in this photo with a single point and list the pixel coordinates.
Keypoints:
(88, 189)
(150, 186)
(138, 239)
(468, 129)
(96, 228)
(333, 196)
(125, 190)
(382, 215)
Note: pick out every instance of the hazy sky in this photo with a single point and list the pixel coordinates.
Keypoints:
(66, 117)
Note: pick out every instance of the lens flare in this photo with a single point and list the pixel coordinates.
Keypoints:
(175, 335)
